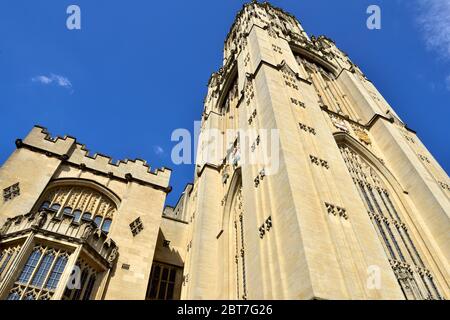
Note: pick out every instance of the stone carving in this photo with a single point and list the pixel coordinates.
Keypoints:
(40, 220)
(339, 123)
(5, 226)
(362, 135)
(88, 231)
(113, 255)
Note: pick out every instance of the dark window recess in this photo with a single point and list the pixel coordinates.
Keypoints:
(162, 284)
(68, 211)
(45, 205)
(55, 207)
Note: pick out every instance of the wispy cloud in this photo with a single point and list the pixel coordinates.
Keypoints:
(55, 79)
(434, 22)
(158, 150)
(447, 82)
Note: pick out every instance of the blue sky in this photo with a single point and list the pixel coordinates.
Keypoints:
(138, 69)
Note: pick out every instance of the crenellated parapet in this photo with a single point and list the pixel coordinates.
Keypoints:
(69, 151)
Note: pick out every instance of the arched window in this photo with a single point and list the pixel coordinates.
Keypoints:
(235, 217)
(76, 215)
(386, 213)
(55, 206)
(106, 225)
(30, 266)
(83, 201)
(57, 271)
(98, 220)
(45, 205)
(87, 216)
(67, 211)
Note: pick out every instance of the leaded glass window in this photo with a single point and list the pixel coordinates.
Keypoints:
(30, 266)
(7, 257)
(43, 269)
(57, 271)
(162, 283)
(13, 296)
(40, 275)
(415, 280)
(80, 203)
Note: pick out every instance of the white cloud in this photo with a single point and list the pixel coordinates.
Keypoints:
(53, 79)
(434, 21)
(158, 150)
(447, 82)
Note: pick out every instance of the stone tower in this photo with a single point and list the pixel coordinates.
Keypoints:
(343, 201)
(307, 186)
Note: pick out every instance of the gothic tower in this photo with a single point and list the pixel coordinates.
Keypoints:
(343, 201)
(307, 186)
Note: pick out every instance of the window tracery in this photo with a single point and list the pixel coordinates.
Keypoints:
(40, 275)
(87, 278)
(328, 90)
(162, 285)
(238, 242)
(7, 257)
(80, 203)
(415, 280)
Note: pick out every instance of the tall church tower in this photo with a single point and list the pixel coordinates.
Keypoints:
(343, 200)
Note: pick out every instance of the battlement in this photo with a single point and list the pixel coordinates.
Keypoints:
(70, 151)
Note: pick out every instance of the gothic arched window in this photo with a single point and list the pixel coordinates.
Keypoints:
(76, 215)
(386, 212)
(237, 242)
(80, 201)
(106, 225)
(98, 220)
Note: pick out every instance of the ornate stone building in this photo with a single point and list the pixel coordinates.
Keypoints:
(356, 207)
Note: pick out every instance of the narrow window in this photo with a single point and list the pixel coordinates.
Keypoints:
(55, 207)
(98, 220)
(68, 211)
(87, 216)
(30, 266)
(89, 287)
(76, 215)
(43, 270)
(45, 205)
(162, 282)
(106, 225)
(57, 271)
(5, 262)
